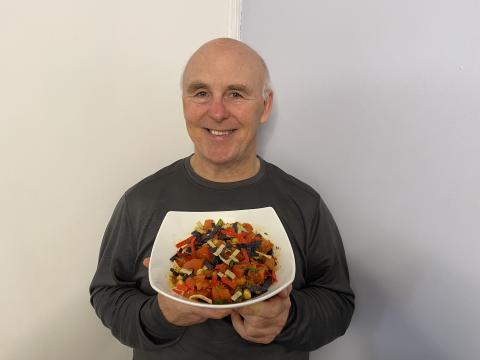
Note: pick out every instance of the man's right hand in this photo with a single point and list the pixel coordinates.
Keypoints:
(181, 314)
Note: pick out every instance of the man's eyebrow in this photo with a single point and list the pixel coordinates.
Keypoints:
(196, 85)
(239, 87)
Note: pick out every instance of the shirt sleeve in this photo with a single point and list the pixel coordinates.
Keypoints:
(321, 310)
(133, 317)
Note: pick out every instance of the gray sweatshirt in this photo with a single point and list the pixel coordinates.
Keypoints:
(322, 300)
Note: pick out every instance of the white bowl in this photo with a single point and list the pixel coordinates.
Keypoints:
(178, 225)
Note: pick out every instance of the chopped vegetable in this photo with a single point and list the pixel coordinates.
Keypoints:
(262, 254)
(219, 250)
(201, 297)
(236, 295)
(230, 274)
(222, 263)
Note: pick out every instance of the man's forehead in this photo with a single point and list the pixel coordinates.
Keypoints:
(226, 57)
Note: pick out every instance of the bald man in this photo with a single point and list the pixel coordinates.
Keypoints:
(226, 97)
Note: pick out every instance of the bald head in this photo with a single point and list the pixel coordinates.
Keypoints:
(221, 52)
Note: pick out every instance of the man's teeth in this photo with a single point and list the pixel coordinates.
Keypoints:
(219, 133)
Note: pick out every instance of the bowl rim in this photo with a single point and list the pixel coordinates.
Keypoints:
(288, 251)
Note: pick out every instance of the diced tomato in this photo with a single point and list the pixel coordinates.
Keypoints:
(230, 282)
(190, 283)
(179, 292)
(221, 294)
(181, 261)
(181, 287)
(204, 253)
(239, 269)
(229, 232)
(221, 267)
(247, 227)
(241, 237)
(205, 292)
(241, 281)
(245, 255)
(249, 237)
(257, 276)
(208, 224)
(270, 263)
(265, 246)
(200, 277)
(201, 282)
(194, 264)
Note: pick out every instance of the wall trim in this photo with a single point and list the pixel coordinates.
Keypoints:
(234, 19)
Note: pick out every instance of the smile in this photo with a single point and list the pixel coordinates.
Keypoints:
(220, 132)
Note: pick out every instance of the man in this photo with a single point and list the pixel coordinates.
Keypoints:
(226, 97)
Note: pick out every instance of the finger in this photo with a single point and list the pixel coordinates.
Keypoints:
(214, 314)
(254, 309)
(285, 292)
(238, 324)
(267, 309)
(251, 333)
(146, 262)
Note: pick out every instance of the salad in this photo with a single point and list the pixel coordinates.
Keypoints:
(223, 263)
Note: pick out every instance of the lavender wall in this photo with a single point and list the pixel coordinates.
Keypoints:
(378, 107)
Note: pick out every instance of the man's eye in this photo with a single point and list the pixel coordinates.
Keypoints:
(235, 94)
(201, 94)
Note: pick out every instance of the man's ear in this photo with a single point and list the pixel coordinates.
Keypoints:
(267, 107)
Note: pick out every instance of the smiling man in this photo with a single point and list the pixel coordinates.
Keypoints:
(226, 97)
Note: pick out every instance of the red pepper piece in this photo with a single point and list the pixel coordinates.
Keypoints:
(229, 232)
(184, 242)
(246, 259)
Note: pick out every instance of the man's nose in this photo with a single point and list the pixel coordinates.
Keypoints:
(217, 110)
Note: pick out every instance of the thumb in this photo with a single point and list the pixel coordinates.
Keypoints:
(285, 293)
(146, 262)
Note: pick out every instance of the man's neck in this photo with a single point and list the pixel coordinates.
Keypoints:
(229, 172)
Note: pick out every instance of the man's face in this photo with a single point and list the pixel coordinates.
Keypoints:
(223, 103)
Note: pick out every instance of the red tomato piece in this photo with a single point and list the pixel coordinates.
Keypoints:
(208, 224)
(231, 283)
(204, 253)
(221, 294)
(221, 267)
(194, 264)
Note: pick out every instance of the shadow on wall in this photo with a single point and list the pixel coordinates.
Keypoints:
(266, 131)
(72, 332)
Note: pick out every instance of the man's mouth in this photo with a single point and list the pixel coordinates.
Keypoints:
(220, 132)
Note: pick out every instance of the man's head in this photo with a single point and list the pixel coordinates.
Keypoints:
(226, 96)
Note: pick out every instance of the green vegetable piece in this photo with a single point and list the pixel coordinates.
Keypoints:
(220, 222)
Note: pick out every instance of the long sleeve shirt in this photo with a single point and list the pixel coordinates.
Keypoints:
(322, 301)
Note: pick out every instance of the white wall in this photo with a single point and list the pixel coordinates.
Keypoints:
(90, 104)
(378, 107)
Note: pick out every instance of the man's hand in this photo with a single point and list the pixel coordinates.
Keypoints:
(263, 321)
(184, 315)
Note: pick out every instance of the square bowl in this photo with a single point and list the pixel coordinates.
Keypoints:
(178, 225)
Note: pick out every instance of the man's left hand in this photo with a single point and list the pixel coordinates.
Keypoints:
(263, 321)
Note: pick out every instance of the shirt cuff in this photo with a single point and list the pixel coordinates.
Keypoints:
(155, 324)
